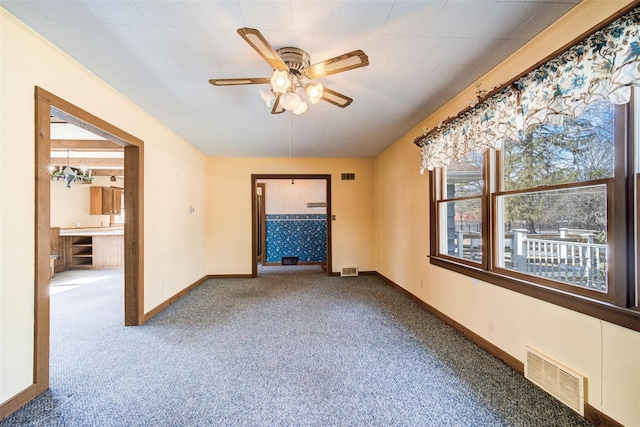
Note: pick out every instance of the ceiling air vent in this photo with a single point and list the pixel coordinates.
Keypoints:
(561, 382)
(348, 176)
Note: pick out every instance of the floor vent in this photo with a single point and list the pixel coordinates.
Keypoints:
(561, 382)
(349, 271)
(289, 260)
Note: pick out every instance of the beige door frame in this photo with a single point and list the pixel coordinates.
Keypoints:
(134, 225)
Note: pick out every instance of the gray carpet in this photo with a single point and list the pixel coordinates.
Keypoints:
(290, 348)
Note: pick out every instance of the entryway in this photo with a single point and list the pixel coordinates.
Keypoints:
(48, 105)
(296, 230)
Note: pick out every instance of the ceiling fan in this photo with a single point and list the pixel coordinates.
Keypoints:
(292, 70)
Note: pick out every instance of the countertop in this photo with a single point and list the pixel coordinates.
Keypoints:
(93, 231)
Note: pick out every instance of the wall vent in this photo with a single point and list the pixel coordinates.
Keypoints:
(558, 380)
(349, 271)
(289, 260)
(348, 176)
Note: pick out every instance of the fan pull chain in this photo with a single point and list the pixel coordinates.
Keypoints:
(290, 135)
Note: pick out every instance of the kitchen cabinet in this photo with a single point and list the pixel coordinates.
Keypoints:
(92, 248)
(105, 201)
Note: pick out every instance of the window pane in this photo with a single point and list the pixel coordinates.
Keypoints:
(464, 177)
(576, 150)
(461, 227)
(557, 234)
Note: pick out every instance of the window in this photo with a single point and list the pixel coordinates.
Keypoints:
(461, 209)
(547, 212)
(556, 210)
(551, 203)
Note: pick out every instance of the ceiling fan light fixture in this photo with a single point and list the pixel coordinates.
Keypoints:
(301, 109)
(267, 97)
(290, 101)
(314, 92)
(292, 70)
(280, 81)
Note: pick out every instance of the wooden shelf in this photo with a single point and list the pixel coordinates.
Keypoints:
(94, 251)
(81, 251)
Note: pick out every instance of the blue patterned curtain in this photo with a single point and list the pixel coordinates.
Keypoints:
(604, 66)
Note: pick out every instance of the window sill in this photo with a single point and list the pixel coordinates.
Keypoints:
(625, 317)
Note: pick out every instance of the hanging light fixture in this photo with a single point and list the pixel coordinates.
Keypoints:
(280, 81)
(284, 83)
(314, 92)
(69, 174)
(292, 69)
(301, 108)
(290, 101)
(267, 97)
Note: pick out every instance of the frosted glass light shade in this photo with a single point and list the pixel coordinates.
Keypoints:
(290, 101)
(267, 97)
(280, 81)
(314, 92)
(301, 109)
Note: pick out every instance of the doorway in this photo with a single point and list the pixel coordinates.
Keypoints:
(258, 212)
(47, 105)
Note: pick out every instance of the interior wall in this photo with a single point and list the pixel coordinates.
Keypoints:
(608, 355)
(174, 181)
(284, 196)
(229, 210)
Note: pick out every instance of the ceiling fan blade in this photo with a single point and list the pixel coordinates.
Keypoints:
(262, 46)
(336, 98)
(348, 61)
(277, 107)
(234, 82)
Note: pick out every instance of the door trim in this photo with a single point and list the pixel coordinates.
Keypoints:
(134, 225)
(254, 179)
(261, 222)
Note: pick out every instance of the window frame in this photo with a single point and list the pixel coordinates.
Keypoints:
(634, 191)
(620, 304)
(608, 183)
(483, 197)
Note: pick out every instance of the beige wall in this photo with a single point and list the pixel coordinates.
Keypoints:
(174, 180)
(229, 210)
(607, 354)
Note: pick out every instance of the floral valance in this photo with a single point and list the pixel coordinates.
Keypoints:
(604, 66)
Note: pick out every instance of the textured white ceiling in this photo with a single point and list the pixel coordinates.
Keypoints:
(161, 54)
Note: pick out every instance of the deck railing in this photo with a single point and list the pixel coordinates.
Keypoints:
(576, 263)
(568, 257)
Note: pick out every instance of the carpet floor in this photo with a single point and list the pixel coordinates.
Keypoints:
(292, 347)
